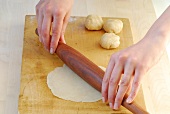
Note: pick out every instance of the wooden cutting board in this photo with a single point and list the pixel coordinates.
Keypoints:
(35, 96)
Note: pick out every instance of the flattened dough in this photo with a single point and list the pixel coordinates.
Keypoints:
(65, 84)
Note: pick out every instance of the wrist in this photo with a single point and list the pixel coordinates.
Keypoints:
(158, 38)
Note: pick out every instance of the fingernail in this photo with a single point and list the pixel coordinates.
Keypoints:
(51, 50)
(103, 99)
(129, 100)
(116, 106)
(111, 105)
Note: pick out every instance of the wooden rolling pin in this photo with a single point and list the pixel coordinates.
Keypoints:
(89, 72)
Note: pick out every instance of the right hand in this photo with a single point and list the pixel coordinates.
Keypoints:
(55, 14)
(133, 62)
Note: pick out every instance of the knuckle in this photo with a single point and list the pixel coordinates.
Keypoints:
(142, 67)
(37, 8)
(55, 33)
(40, 9)
(112, 81)
(133, 94)
(124, 83)
(104, 92)
(63, 32)
(54, 44)
(54, 30)
(44, 33)
(136, 83)
(132, 60)
(58, 12)
(122, 57)
(112, 56)
(105, 80)
(118, 99)
(46, 41)
(47, 9)
(127, 73)
(110, 98)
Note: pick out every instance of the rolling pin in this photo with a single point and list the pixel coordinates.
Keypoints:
(89, 72)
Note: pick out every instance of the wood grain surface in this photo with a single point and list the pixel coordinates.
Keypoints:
(35, 97)
(141, 13)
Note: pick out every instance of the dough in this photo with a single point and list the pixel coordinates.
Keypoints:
(93, 22)
(113, 26)
(109, 41)
(65, 84)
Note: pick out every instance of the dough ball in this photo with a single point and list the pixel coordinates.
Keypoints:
(93, 22)
(113, 26)
(109, 41)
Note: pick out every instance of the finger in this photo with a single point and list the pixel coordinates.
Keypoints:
(130, 85)
(37, 11)
(113, 83)
(56, 32)
(124, 84)
(106, 78)
(39, 16)
(40, 21)
(45, 31)
(135, 86)
(65, 22)
(37, 8)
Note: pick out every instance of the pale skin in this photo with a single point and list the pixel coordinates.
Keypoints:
(133, 62)
(52, 14)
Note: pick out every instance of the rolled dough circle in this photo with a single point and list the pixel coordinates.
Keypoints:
(66, 84)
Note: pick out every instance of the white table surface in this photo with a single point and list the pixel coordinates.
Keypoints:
(12, 15)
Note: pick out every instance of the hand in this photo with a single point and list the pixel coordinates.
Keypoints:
(53, 13)
(133, 63)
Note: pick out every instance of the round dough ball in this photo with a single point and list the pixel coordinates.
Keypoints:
(110, 41)
(113, 26)
(93, 22)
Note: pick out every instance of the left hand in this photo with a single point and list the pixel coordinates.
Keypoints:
(133, 63)
(52, 15)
